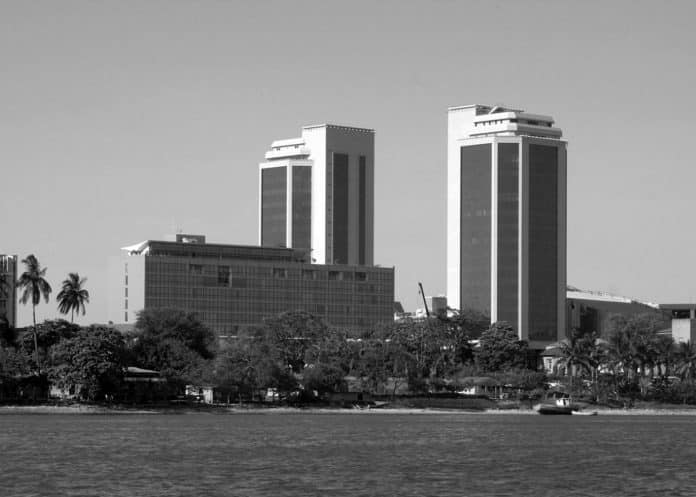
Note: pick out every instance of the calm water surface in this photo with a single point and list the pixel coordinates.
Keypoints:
(346, 455)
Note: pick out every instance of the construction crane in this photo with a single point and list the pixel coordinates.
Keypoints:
(427, 311)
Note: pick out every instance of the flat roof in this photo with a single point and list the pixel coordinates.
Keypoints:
(678, 307)
(338, 126)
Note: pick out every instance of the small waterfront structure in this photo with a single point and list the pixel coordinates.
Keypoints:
(203, 393)
(232, 287)
(683, 317)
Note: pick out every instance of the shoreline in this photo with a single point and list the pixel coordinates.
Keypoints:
(232, 410)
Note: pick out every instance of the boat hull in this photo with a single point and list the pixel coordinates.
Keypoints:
(554, 410)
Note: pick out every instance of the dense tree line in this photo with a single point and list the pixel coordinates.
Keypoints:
(632, 361)
(297, 356)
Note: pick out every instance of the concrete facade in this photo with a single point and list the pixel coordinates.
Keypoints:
(232, 287)
(506, 219)
(8, 292)
(683, 317)
(341, 216)
(592, 311)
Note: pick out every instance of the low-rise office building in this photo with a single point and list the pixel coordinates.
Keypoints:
(592, 311)
(232, 287)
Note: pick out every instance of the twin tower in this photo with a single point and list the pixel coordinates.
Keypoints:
(506, 210)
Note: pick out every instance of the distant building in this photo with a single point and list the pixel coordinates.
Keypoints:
(317, 192)
(592, 311)
(8, 290)
(506, 219)
(437, 305)
(683, 317)
(232, 287)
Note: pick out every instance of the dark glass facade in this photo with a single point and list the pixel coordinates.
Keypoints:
(476, 227)
(340, 208)
(301, 206)
(508, 232)
(543, 242)
(362, 206)
(230, 293)
(274, 206)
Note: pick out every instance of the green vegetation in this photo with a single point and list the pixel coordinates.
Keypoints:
(299, 358)
(34, 285)
(73, 296)
(632, 363)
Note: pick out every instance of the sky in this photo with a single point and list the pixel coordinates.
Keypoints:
(122, 121)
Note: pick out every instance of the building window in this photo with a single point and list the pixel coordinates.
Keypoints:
(126, 279)
(280, 273)
(125, 303)
(360, 276)
(223, 275)
(196, 268)
(335, 275)
(126, 317)
(309, 274)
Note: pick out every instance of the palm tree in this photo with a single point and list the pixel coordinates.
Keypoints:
(686, 360)
(4, 285)
(575, 350)
(34, 286)
(72, 296)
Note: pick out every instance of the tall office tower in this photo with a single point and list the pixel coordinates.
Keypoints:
(506, 219)
(317, 192)
(8, 288)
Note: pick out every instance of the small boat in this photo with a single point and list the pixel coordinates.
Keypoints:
(560, 405)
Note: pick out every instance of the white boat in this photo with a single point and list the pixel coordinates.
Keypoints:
(560, 405)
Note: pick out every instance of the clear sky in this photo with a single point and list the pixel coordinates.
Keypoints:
(122, 121)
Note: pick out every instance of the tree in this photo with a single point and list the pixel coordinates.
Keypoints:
(93, 360)
(175, 343)
(686, 360)
(73, 296)
(500, 349)
(49, 334)
(34, 286)
(635, 349)
(4, 286)
(247, 366)
(162, 323)
(577, 351)
(292, 334)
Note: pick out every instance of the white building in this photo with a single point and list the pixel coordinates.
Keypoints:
(506, 219)
(317, 192)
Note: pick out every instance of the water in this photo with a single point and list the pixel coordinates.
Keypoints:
(348, 454)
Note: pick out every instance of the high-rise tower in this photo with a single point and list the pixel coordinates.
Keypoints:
(8, 288)
(506, 218)
(317, 192)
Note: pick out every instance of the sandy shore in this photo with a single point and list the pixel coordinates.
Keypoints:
(222, 410)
